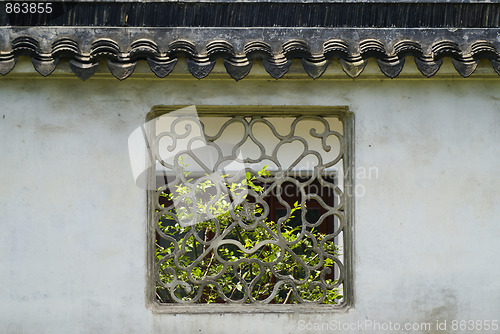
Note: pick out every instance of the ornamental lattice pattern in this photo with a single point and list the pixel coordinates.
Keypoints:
(240, 224)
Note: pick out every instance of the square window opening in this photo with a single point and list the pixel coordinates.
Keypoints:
(250, 205)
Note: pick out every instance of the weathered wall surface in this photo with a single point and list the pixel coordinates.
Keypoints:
(72, 240)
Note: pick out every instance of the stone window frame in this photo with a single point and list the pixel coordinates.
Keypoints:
(347, 119)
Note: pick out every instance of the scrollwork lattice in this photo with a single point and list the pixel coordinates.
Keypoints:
(237, 236)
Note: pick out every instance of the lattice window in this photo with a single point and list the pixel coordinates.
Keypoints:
(251, 205)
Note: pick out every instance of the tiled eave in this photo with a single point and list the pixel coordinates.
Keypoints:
(123, 47)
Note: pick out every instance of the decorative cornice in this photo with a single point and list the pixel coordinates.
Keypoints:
(122, 48)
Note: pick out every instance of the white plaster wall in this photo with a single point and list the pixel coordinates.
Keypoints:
(72, 222)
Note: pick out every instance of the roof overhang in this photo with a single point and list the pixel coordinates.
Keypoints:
(314, 32)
